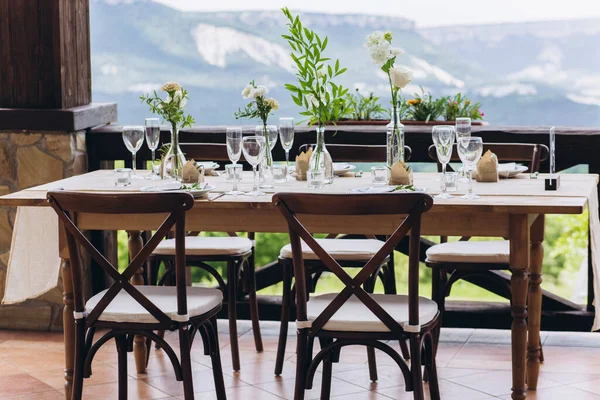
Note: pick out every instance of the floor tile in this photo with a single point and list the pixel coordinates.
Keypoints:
(21, 384)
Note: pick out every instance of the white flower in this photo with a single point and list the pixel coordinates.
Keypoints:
(247, 90)
(259, 91)
(272, 103)
(171, 87)
(168, 99)
(400, 77)
(183, 102)
(395, 51)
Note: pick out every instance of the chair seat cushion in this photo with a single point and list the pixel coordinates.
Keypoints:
(339, 249)
(354, 316)
(207, 246)
(125, 308)
(495, 252)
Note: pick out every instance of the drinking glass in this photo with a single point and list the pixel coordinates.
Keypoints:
(379, 176)
(152, 139)
(133, 137)
(234, 151)
(469, 151)
(272, 133)
(463, 129)
(443, 138)
(254, 148)
(286, 135)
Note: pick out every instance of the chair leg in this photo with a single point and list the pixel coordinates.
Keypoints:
(122, 355)
(186, 362)
(252, 302)
(541, 352)
(285, 316)
(301, 364)
(369, 287)
(80, 354)
(438, 294)
(415, 367)
(434, 389)
(326, 381)
(232, 278)
(215, 358)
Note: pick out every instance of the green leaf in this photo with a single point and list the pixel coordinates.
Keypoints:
(324, 43)
(329, 71)
(341, 71)
(337, 65)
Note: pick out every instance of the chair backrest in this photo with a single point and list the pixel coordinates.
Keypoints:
(358, 153)
(68, 204)
(205, 151)
(408, 205)
(532, 154)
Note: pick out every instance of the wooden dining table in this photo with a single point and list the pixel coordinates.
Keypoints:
(514, 209)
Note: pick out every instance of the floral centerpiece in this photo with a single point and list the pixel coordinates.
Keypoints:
(260, 107)
(316, 92)
(379, 45)
(170, 109)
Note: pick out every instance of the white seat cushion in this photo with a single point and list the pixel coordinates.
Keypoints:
(354, 316)
(339, 249)
(496, 251)
(206, 246)
(125, 308)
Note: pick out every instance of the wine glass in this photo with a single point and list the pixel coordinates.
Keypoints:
(254, 148)
(469, 151)
(152, 139)
(286, 135)
(443, 138)
(133, 137)
(234, 151)
(463, 129)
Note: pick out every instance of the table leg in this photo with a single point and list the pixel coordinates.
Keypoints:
(68, 326)
(535, 302)
(519, 263)
(135, 245)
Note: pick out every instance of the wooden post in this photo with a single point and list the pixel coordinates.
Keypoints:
(45, 54)
(534, 317)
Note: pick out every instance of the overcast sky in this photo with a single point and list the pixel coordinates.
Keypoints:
(424, 12)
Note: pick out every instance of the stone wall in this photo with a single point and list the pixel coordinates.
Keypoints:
(29, 159)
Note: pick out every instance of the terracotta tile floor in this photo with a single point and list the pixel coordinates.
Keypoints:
(473, 365)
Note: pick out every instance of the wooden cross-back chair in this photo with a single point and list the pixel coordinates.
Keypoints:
(365, 248)
(126, 310)
(453, 261)
(354, 316)
(237, 252)
(529, 153)
(358, 152)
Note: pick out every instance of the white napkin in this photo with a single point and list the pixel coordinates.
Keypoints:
(34, 264)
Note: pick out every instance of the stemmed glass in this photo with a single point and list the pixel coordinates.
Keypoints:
(152, 139)
(286, 135)
(463, 129)
(234, 151)
(133, 137)
(469, 151)
(443, 138)
(266, 172)
(254, 148)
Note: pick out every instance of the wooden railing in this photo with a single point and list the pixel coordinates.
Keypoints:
(574, 146)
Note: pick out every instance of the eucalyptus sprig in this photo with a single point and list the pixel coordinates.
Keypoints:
(321, 98)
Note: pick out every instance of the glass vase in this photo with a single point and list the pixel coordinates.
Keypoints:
(320, 160)
(174, 158)
(265, 171)
(395, 139)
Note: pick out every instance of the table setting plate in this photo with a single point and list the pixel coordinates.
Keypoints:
(209, 166)
(204, 189)
(338, 168)
(510, 170)
(385, 189)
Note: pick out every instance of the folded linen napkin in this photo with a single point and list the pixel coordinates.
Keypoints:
(191, 173)
(487, 168)
(401, 174)
(302, 160)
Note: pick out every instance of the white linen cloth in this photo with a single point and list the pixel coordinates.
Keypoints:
(34, 264)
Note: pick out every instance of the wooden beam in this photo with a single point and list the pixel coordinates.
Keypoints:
(45, 54)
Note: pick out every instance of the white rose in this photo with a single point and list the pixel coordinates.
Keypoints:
(246, 92)
(259, 91)
(395, 51)
(374, 39)
(400, 77)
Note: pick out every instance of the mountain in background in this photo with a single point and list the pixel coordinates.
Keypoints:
(543, 73)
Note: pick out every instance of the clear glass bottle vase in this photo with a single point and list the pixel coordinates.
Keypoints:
(395, 139)
(174, 158)
(265, 169)
(320, 160)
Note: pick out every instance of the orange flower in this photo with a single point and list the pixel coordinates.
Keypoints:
(413, 102)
